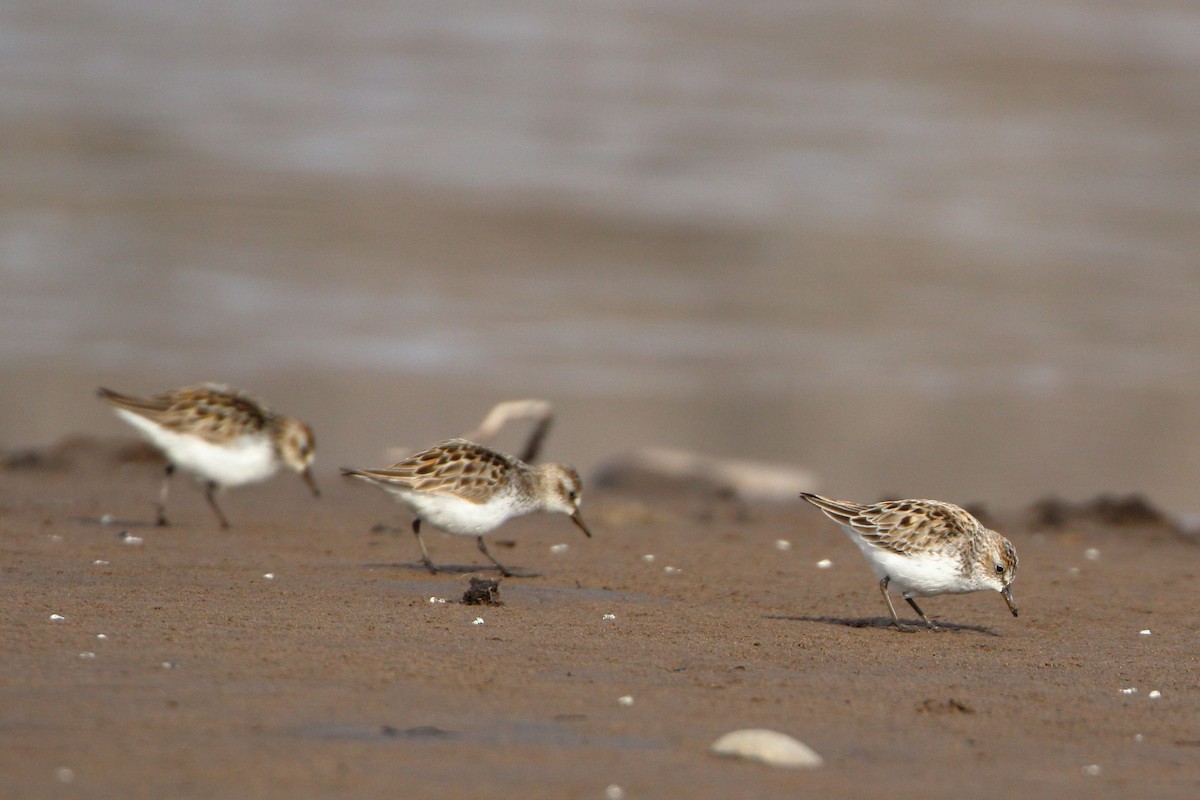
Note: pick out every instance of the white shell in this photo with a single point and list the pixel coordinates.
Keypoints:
(769, 747)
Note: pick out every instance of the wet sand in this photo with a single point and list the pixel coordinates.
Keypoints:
(339, 678)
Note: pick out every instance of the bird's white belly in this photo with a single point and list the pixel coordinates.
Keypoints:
(456, 516)
(919, 576)
(247, 459)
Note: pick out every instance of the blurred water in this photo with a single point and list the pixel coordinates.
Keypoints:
(936, 248)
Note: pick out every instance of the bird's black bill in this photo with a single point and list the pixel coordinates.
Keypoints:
(1008, 598)
(312, 485)
(578, 520)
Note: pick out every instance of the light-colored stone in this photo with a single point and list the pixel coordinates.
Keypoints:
(767, 746)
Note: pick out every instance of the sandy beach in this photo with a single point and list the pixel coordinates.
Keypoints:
(300, 654)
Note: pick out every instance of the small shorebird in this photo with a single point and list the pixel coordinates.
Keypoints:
(221, 436)
(925, 547)
(467, 489)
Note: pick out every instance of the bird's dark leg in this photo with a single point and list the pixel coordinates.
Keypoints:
(483, 549)
(883, 587)
(416, 528)
(210, 494)
(161, 519)
(917, 608)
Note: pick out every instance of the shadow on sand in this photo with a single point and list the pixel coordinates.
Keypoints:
(886, 622)
(451, 569)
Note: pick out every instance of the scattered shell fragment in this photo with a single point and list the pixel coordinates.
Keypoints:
(559, 548)
(824, 563)
(477, 621)
(87, 655)
(1137, 737)
(614, 792)
(54, 537)
(625, 700)
(609, 616)
(169, 665)
(101, 635)
(648, 558)
(269, 576)
(438, 600)
(1092, 554)
(1154, 694)
(1144, 632)
(671, 570)
(769, 747)
(100, 562)
(783, 544)
(57, 617)
(129, 538)
(1092, 769)
(1130, 690)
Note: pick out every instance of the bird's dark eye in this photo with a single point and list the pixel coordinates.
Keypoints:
(1000, 569)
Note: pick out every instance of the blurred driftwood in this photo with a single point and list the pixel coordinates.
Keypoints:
(540, 411)
(740, 479)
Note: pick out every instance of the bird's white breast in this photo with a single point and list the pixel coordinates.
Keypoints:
(919, 575)
(246, 459)
(457, 516)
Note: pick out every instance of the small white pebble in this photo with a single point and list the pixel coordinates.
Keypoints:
(87, 655)
(169, 665)
(131, 539)
(1144, 632)
(64, 774)
(671, 570)
(625, 700)
(648, 558)
(101, 636)
(54, 537)
(824, 563)
(100, 562)
(57, 617)
(1092, 554)
(269, 576)
(614, 792)
(1137, 737)
(609, 616)
(1130, 690)
(1154, 694)
(1092, 769)
(477, 621)
(106, 519)
(559, 548)
(783, 544)
(437, 600)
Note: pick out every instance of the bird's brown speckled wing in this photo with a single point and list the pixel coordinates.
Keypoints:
(214, 413)
(901, 526)
(464, 469)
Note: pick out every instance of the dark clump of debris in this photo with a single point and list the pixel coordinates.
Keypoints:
(76, 450)
(1132, 509)
(418, 732)
(483, 592)
(1128, 511)
(950, 706)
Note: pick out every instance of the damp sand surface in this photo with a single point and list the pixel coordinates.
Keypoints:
(337, 676)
